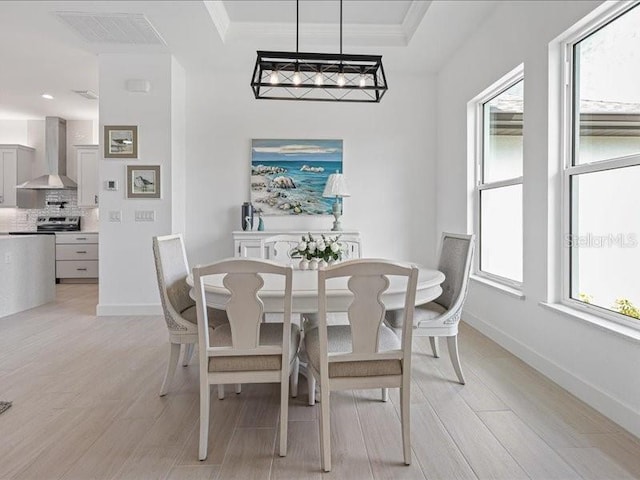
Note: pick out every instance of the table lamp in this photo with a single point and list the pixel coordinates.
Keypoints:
(336, 187)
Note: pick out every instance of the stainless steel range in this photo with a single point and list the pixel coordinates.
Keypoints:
(50, 225)
(58, 224)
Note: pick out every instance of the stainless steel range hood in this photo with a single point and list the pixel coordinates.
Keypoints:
(56, 155)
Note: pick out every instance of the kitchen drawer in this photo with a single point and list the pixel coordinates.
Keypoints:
(77, 269)
(77, 252)
(76, 238)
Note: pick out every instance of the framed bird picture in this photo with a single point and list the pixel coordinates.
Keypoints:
(143, 181)
(120, 141)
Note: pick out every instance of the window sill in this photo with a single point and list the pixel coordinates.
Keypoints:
(609, 326)
(511, 291)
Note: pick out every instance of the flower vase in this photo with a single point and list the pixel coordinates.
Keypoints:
(322, 263)
(313, 264)
(304, 264)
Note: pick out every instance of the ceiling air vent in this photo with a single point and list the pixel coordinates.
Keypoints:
(121, 28)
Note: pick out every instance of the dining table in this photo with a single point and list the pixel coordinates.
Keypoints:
(305, 291)
(304, 296)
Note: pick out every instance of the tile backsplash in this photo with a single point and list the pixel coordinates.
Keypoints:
(25, 219)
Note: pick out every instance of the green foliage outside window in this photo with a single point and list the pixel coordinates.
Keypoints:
(625, 307)
(621, 305)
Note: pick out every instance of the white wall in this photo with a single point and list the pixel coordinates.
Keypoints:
(596, 365)
(13, 132)
(127, 273)
(388, 161)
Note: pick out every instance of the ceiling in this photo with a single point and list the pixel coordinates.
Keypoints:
(40, 53)
(367, 12)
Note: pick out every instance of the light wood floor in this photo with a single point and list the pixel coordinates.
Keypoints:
(86, 405)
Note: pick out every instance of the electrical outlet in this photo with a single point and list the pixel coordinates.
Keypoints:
(115, 216)
(145, 216)
(7, 257)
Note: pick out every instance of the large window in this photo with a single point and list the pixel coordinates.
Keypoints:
(499, 181)
(602, 174)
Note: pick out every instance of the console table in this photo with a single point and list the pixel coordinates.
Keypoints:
(247, 243)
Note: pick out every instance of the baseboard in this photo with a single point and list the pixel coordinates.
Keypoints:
(132, 309)
(609, 406)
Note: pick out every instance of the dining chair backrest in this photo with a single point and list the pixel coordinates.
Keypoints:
(368, 279)
(279, 247)
(172, 270)
(456, 253)
(242, 277)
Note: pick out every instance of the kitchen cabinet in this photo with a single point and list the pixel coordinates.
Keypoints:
(77, 256)
(88, 175)
(247, 243)
(16, 163)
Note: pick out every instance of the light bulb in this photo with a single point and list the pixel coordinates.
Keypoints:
(296, 78)
(363, 81)
(341, 80)
(319, 80)
(274, 78)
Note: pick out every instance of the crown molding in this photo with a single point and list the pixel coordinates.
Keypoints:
(375, 35)
(413, 18)
(219, 16)
(321, 34)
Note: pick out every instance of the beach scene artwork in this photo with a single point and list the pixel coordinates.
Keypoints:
(288, 176)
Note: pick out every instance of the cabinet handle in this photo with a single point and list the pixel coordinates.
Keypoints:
(1, 199)
(81, 269)
(95, 199)
(81, 251)
(81, 238)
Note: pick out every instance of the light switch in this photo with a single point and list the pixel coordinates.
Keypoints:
(115, 216)
(145, 216)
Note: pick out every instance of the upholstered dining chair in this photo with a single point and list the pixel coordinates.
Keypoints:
(365, 353)
(440, 318)
(178, 307)
(246, 349)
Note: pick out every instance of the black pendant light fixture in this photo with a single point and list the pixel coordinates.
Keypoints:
(328, 77)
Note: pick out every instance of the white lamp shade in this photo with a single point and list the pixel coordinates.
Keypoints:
(336, 186)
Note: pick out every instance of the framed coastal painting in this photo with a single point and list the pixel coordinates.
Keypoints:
(288, 176)
(143, 181)
(120, 141)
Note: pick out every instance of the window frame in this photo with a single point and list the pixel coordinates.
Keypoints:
(569, 144)
(497, 88)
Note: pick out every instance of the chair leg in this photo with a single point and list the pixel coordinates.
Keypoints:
(452, 343)
(385, 394)
(220, 391)
(325, 429)
(238, 388)
(295, 371)
(284, 415)
(434, 346)
(311, 386)
(174, 356)
(188, 353)
(205, 395)
(405, 412)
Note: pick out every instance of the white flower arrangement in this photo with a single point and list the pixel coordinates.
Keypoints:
(323, 248)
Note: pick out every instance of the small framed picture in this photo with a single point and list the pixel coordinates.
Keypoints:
(143, 181)
(120, 141)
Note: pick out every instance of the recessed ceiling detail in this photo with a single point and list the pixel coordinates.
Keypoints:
(393, 26)
(120, 28)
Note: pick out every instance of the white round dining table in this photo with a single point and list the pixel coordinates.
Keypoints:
(305, 291)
